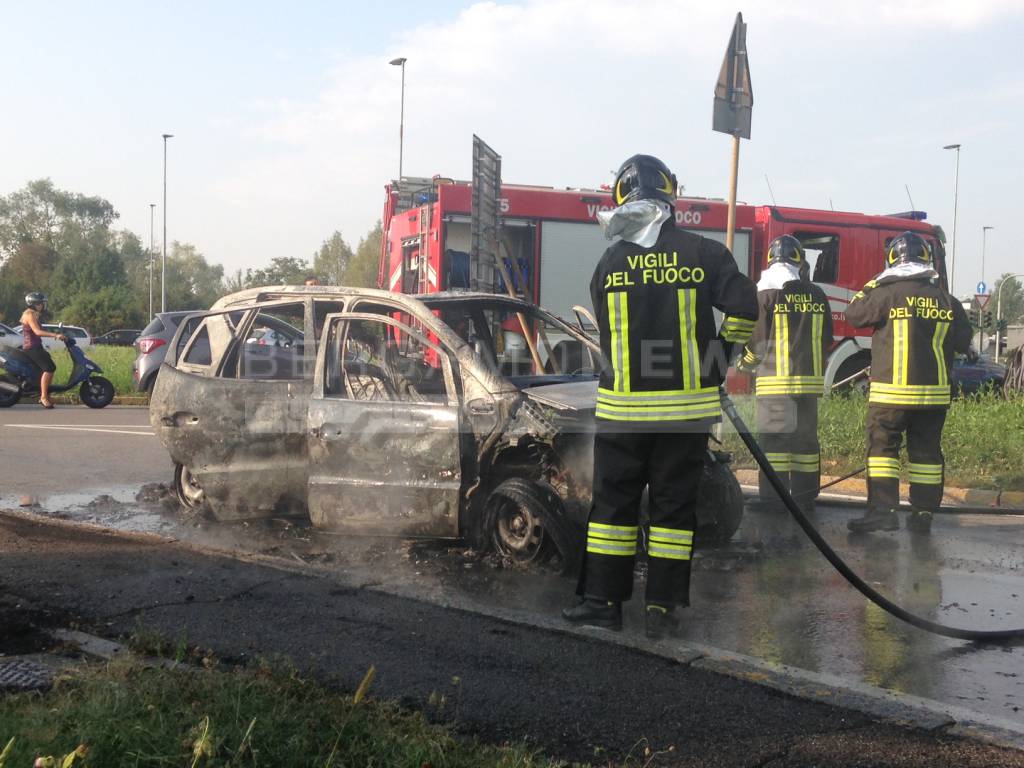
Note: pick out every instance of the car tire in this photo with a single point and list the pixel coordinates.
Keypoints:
(189, 493)
(96, 392)
(524, 520)
(856, 363)
(719, 502)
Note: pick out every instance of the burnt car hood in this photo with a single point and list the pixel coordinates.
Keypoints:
(577, 397)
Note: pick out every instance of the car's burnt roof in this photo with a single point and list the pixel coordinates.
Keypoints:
(252, 295)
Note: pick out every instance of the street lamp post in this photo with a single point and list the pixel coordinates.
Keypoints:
(999, 309)
(152, 212)
(163, 258)
(956, 194)
(400, 62)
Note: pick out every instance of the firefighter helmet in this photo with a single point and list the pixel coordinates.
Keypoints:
(786, 248)
(643, 177)
(34, 298)
(908, 248)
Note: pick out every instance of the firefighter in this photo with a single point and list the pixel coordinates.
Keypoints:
(918, 326)
(654, 292)
(787, 351)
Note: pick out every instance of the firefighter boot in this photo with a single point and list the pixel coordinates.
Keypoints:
(591, 612)
(875, 520)
(660, 622)
(919, 521)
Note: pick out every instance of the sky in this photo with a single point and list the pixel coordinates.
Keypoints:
(285, 116)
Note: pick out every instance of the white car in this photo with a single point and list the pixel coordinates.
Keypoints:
(9, 337)
(81, 336)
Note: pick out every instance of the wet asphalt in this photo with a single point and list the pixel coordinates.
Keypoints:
(768, 594)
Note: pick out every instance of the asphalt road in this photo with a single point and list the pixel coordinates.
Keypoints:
(576, 698)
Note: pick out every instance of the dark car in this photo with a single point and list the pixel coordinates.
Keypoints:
(122, 337)
(973, 374)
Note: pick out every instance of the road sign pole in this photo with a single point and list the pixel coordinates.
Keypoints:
(730, 227)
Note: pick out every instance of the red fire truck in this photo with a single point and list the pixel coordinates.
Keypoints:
(554, 238)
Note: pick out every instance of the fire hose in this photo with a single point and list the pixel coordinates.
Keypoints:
(837, 562)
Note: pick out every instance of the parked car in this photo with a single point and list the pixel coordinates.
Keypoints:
(151, 345)
(9, 337)
(118, 338)
(396, 415)
(973, 373)
(81, 336)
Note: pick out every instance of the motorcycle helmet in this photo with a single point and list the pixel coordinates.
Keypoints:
(908, 248)
(34, 298)
(643, 177)
(786, 248)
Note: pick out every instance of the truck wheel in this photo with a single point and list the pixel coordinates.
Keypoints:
(524, 521)
(96, 392)
(855, 364)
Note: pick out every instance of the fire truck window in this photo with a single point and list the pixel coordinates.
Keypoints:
(822, 251)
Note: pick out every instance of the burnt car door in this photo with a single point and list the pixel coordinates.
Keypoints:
(233, 413)
(384, 431)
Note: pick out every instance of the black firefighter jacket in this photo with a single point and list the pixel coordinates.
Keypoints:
(918, 327)
(791, 340)
(664, 359)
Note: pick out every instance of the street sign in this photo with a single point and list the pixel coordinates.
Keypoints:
(734, 98)
(982, 299)
(981, 287)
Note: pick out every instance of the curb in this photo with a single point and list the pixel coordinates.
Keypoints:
(954, 499)
(891, 707)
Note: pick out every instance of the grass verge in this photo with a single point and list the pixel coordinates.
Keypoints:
(983, 440)
(125, 713)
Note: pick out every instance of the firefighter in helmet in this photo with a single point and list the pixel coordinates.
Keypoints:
(654, 293)
(918, 326)
(787, 351)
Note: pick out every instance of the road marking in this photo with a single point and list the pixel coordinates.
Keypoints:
(108, 431)
(98, 426)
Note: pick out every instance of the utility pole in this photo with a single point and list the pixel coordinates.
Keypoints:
(152, 212)
(163, 259)
(734, 102)
(956, 195)
(400, 62)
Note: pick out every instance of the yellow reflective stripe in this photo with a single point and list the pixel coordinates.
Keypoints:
(620, 550)
(686, 300)
(886, 461)
(659, 405)
(781, 345)
(790, 385)
(925, 474)
(779, 461)
(704, 394)
(900, 351)
(804, 462)
(909, 394)
(680, 534)
(668, 552)
(817, 329)
(629, 530)
(883, 466)
(737, 329)
(618, 321)
(666, 413)
(941, 329)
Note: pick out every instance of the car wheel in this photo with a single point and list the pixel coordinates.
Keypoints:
(523, 520)
(188, 491)
(96, 392)
(720, 500)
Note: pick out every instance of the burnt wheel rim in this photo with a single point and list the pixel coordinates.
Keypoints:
(518, 532)
(191, 491)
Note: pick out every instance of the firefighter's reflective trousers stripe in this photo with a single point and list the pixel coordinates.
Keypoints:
(923, 428)
(669, 464)
(788, 433)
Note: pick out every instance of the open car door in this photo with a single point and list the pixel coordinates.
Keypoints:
(384, 431)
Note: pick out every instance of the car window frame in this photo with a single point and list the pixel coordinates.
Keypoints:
(214, 368)
(449, 362)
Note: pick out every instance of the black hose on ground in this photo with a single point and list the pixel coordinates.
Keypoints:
(837, 562)
(844, 477)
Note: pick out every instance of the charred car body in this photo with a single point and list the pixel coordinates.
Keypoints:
(397, 415)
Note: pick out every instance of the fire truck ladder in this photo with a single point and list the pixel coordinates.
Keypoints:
(484, 222)
(423, 257)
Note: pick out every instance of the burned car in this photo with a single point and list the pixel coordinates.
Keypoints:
(459, 415)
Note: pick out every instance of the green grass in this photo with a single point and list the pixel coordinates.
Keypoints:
(126, 714)
(983, 440)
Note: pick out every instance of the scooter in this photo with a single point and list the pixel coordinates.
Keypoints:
(22, 378)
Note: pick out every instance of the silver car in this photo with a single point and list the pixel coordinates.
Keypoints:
(393, 414)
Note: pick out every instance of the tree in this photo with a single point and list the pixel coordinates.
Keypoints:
(330, 262)
(283, 270)
(1012, 297)
(192, 283)
(42, 214)
(362, 267)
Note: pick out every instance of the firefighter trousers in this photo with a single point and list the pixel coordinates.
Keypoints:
(787, 426)
(670, 465)
(923, 427)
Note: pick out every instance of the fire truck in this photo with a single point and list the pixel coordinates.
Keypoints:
(551, 243)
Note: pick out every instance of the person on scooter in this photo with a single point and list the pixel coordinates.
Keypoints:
(32, 343)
